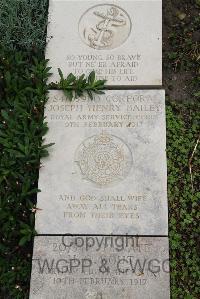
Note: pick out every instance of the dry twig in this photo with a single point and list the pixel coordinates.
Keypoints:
(190, 162)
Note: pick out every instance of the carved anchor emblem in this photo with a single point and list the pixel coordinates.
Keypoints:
(103, 34)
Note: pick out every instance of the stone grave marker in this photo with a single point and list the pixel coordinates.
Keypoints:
(100, 267)
(102, 214)
(121, 40)
(106, 173)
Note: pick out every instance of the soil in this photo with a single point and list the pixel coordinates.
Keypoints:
(178, 83)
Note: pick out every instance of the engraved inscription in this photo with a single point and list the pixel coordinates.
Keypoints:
(101, 267)
(104, 27)
(104, 159)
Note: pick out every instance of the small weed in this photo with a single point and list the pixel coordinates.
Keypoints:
(75, 87)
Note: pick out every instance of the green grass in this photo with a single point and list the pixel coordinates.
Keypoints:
(182, 135)
(182, 60)
(22, 98)
(22, 126)
(23, 24)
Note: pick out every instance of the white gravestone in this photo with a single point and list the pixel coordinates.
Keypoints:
(100, 268)
(106, 173)
(121, 40)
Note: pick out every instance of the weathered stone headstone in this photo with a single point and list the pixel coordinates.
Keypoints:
(105, 180)
(102, 267)
(106, 173)
(120, 40)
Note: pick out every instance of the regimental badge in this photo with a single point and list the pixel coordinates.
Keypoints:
(105, 26)
(103, 159)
